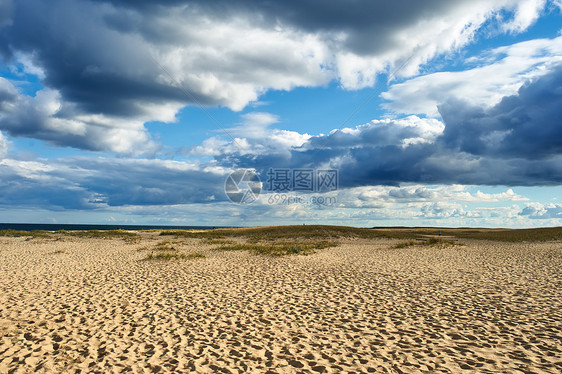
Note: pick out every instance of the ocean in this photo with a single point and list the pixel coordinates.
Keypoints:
(74, 227)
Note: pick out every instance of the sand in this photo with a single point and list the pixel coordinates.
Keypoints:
(94, 305)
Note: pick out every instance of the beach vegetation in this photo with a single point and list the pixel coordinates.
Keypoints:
(20, 233)
(281, 248)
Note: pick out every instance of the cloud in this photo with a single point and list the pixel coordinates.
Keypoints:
(253, 136)
(46, 116)
(6, 8)
(526, 125)
(97, 183)
(254, 124)
(499, 72)
(440, 210)
(542, 211)
(8, 93)
(525, 14)
(111, 66)
(150, 191)
(516, 142)
(3, 145)
(418, 195)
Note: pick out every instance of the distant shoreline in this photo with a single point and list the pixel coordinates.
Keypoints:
(77, 227)
(102, 227)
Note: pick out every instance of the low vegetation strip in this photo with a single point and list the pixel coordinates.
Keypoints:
(105, 234)
(173, 256)
(300, 232)
(313, 232)
(279, 248)
(431, 242)
(18, 233)
(166, 250)
(325, 232)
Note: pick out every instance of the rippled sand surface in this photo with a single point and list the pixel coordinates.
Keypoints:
(95, 305)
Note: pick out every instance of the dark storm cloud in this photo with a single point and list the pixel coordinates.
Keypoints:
(527, 125)
(6, 8)
(92, 66)
(369, 25)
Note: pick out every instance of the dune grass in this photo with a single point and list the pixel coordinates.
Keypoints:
(431, 242)
(165, 256)
(281, 248)
(320, 232)
(102, 234)
(167, 250)
(211, 241)
(19, 233)
(174, 256)
(165, 245)
(313, 232)
(511, 235)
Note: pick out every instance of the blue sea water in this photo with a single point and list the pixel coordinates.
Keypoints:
(68, 227)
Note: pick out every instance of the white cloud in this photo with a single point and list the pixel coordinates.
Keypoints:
(3, 145)
(543, 211)
(251, 137)
(502, 72)
(46, 116)
(419, 195)
(526, 13)
(254, 125)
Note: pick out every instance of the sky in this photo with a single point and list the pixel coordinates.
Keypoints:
(220, 113)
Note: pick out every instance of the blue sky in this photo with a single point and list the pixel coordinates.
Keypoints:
(433, 113)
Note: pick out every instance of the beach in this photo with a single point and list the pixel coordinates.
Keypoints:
(80, 304)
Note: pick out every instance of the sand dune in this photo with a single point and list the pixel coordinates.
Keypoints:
(95, 305)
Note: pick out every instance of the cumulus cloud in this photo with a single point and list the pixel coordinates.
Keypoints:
(252, 137)
(516, 142)
(499, 72)
(542, 211)
(385, 196)
(46, 116)
(114, 65)
(442, 210)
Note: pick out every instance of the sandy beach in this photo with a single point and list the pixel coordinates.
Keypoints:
(70, 304)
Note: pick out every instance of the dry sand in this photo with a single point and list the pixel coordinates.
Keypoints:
(94, 305)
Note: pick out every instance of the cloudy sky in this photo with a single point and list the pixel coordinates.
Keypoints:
(436, 112)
